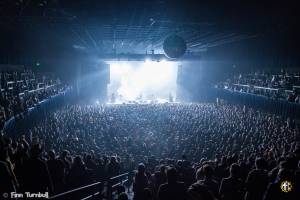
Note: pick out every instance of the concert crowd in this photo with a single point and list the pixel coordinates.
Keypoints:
(179, 151)
(24, 89)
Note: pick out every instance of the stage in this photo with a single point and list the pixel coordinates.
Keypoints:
(156, 101)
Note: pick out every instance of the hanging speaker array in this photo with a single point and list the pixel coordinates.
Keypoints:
(174, 46)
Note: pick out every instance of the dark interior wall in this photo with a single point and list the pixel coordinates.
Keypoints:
(262, 51)
(195, 78)
(29, 47)
(19, 48)
(91, 81)
(64, 66)
(6, 46)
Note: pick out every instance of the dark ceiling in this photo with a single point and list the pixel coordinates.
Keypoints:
(138, 26)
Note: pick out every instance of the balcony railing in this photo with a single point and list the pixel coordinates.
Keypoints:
(98, 190)
(91, 191)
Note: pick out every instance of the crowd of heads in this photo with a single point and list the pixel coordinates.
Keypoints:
(180, 151)
(24, 89)
(279, 85)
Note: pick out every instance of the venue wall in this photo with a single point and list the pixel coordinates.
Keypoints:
(280, 107)
(92, 80)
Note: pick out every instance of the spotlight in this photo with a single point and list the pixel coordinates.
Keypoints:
(163, 61)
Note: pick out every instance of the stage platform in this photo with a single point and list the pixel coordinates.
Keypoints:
(157, 101)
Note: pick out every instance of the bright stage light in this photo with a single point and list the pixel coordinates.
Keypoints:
(131, 80)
